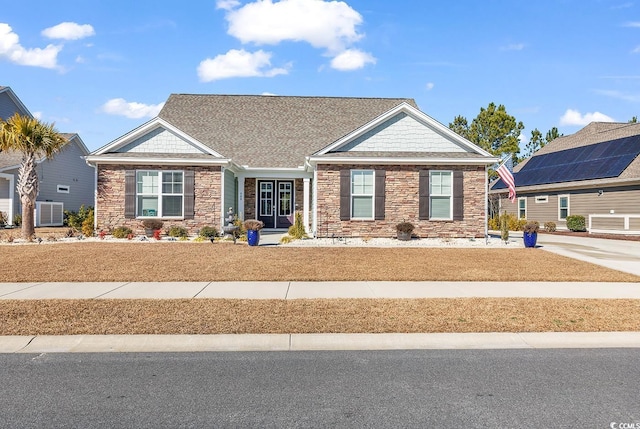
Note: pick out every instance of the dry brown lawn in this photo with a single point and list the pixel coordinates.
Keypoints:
(211, 316)
(103, 261)
(178, 261)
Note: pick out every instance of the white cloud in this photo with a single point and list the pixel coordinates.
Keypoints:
(238, 63)
(121, 107)
(69, 31)
(636, 50)
(323, 24)
(37, 115)
(429, 86)
(574, 117)
(513, 47)
(634, 98)
(11, 49)
(227, 4)
(635, 24)
(352, 59)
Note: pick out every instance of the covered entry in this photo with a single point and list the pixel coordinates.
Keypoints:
(275, 203)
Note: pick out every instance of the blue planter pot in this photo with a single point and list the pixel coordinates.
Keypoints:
(530, 239)
(253, 237)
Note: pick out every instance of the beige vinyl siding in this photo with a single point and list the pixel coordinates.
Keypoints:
(622, 200)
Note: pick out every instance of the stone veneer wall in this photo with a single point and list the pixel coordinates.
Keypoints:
(111, 193)
(401, 204)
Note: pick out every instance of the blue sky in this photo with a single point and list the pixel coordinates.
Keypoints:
(101, 68)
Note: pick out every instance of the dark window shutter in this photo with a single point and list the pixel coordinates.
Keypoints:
(380, 193)
(345, 194)
(423, 195)
(130, 194)
(189, 199)
(458, 195)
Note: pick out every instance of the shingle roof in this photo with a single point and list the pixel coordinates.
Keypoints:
(10, 159)
(271, 131)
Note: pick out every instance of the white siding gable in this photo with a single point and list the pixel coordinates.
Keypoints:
(160, 140)
(402, 133)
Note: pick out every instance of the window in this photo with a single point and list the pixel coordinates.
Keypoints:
(440, 194)
(159, 193)
(522, 208)
(563, 207)
(284, 198)
(63, 189)
(362, 194)
(542, 199)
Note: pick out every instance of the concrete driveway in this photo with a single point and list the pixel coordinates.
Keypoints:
(619, 255)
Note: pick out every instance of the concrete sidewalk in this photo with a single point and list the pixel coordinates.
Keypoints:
(301, 290)
(314, 290)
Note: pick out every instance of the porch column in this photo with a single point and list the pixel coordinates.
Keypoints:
(240, 198)
(305, 206)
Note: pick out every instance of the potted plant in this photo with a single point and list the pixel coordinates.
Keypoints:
(253, 227)
(404, 231)
(530, 234)
(151, 225)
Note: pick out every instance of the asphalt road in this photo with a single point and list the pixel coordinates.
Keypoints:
(431, 388)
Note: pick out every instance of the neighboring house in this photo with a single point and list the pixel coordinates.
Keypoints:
(66, 181)
(350, 166)
(594, 173)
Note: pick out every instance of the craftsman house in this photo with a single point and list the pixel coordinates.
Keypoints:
(594, 173)
(66, 181)
(350, 166)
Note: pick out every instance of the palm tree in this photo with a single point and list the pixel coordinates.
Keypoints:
(34, 139)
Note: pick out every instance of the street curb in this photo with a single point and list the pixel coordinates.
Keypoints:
(313, 342)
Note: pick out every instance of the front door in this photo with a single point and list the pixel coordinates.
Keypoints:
(275, 203)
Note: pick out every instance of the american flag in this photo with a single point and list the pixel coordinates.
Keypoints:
(507, 177)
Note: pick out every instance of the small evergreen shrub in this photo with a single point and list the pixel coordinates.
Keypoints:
(504, 227)
(550, 226)
(17, 220)
(3, 218)
(121, 232)
(87, 224)
(177, 231)
(576, 223)
(208, 232)
(494, 223)
(75, 220)
(296, 231)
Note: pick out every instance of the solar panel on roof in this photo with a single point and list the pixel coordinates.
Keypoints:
(597, 161)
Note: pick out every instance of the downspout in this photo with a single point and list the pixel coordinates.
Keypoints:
(486, 204)
(315, 201)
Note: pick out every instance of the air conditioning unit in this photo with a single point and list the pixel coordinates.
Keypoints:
(49, 213)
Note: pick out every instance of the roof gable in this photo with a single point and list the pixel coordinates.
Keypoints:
(404, 129)
(10, 104)
(158, 137)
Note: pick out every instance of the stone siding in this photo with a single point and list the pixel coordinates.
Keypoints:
(401, 204)
(111, 195)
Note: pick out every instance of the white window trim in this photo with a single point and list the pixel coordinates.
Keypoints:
(160, 194)
(568, 206)
(63, 189)
(373, 195)
(525, 207)
(431, 195)
(542, 199)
